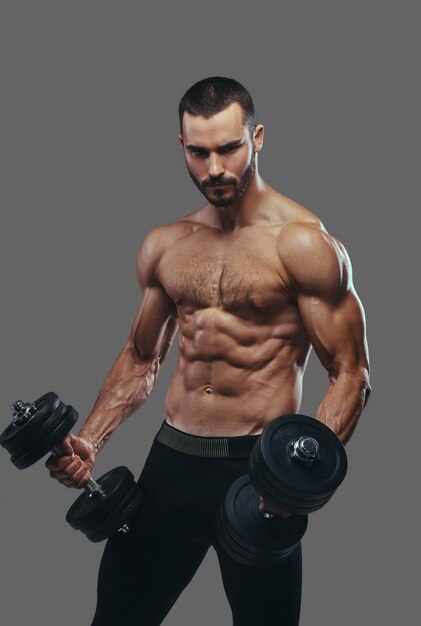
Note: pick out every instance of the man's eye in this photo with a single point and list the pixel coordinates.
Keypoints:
(197, 153)
(230, 149)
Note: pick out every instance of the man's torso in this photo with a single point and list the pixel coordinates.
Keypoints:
(242, 346)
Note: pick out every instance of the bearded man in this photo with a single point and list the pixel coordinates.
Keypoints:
(252, 280)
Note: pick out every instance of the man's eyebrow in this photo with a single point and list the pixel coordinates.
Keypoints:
(230, 144)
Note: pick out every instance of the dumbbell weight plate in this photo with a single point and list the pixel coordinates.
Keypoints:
(123, 516)
(239, 547)
(316, 481)
(14, 434)
(31, 442)
(276, 496)
(50, 434)
(90, 509)
(96, 515)
(245, 556)
(42, 431)
(250, 537)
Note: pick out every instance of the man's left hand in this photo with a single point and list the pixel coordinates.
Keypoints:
(272, 509)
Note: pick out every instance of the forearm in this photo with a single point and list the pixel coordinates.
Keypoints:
(344, 401)
(123, 391)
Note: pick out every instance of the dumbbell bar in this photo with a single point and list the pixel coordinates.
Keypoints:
(109, 504)
(296, 465)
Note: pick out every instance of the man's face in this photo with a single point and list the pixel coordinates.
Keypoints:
(220, 154)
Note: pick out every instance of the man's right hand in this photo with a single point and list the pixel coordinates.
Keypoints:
(73, 469)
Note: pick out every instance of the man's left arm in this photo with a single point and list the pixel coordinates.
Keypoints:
(333, 317)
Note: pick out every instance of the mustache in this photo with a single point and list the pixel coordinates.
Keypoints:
(219, 181)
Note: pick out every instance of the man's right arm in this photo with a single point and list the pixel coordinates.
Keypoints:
(133, 375)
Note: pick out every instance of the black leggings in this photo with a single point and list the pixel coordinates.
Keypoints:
(142, 573)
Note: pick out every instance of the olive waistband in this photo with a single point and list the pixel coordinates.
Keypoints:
(210, 447)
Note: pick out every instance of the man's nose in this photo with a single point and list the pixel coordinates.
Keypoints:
(215, 166)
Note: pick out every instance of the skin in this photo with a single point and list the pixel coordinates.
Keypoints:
(252, 281)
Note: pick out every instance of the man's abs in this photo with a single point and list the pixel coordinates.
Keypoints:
(235, 374)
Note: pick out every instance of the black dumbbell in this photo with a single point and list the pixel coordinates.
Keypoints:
(296, 465)
(109, 504)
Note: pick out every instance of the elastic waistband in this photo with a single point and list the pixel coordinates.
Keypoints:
(211, 447)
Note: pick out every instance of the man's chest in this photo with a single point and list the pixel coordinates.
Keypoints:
(240, 271)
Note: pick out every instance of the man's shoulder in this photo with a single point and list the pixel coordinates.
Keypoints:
(159, 240)
(312, 257)
(167, 233)
(300, 229)
(303, 234)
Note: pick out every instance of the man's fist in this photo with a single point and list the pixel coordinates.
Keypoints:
(271, 509)
(73, 469)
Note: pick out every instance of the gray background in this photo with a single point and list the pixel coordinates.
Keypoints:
(90, 163)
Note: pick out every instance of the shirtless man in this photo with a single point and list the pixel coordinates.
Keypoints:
(252, 280)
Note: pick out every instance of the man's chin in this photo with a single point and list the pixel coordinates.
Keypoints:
(222, 203)
(220, 200)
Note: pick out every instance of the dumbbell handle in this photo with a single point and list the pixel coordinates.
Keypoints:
(91, 486)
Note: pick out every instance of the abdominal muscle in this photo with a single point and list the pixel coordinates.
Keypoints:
(232, 380)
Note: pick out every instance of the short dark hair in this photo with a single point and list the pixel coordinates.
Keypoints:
(214, 94)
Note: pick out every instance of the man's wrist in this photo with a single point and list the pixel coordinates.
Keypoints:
(91, 439)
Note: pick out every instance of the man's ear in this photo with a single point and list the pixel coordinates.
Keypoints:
(180, 139)
(258, 137)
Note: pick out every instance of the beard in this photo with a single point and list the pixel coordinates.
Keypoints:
(224, 197)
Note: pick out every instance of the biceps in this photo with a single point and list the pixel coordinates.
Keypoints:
(336, 331)
(155, 325)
